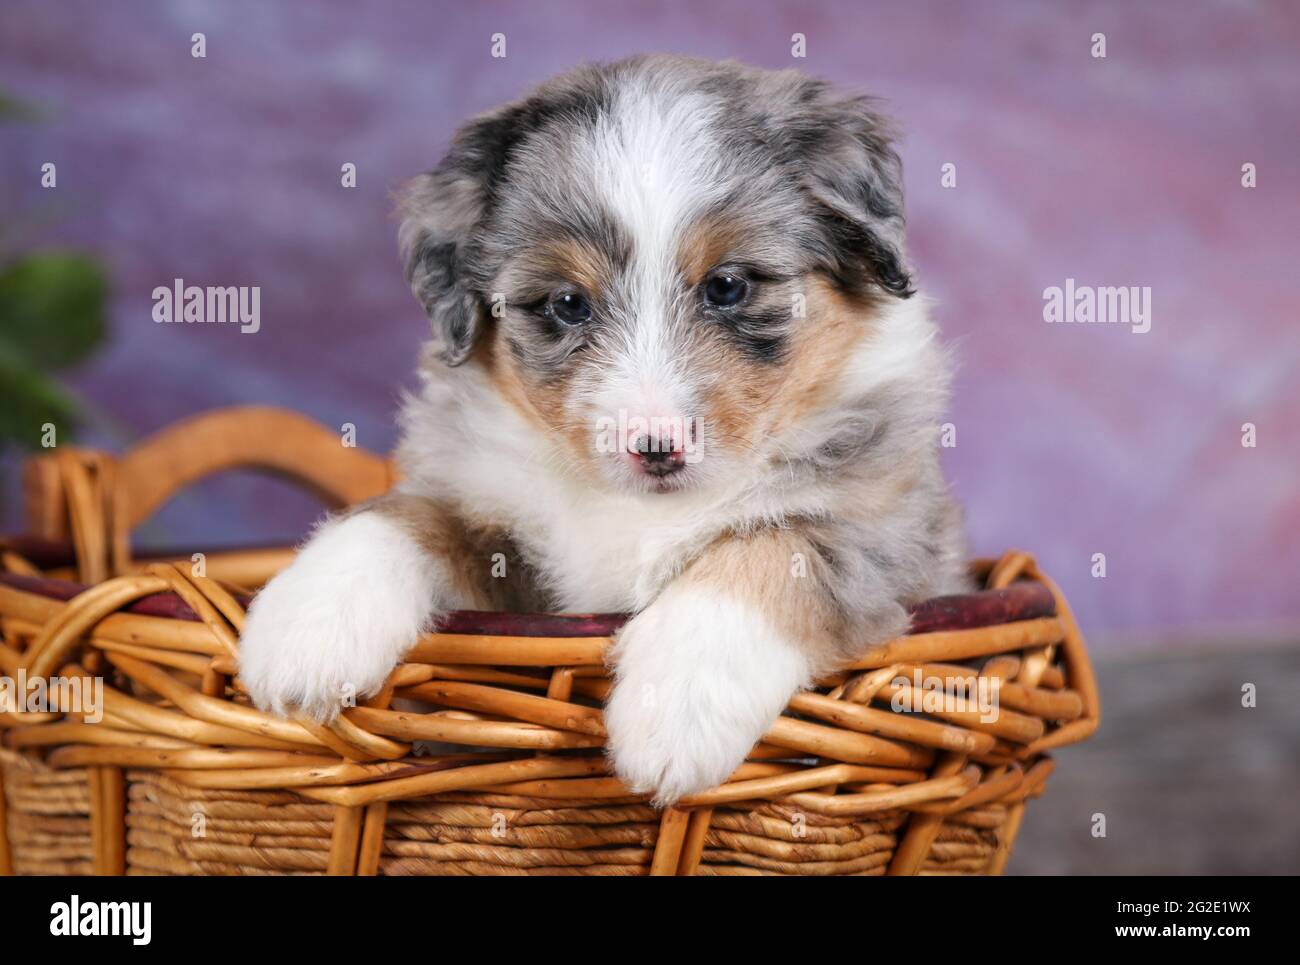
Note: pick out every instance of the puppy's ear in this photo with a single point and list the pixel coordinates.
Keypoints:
(440, 213)
(855, 180)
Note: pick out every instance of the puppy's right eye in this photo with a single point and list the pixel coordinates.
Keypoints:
(725, 290)
(570, 309)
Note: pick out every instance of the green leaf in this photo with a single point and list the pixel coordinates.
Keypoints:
(28, 402)
(52, 309)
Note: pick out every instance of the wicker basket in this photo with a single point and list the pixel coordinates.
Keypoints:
(183, 776)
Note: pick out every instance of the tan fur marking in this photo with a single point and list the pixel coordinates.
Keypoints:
(577, 262)
(755, 400)
(469, 549)
(543, 405)
(761, 569)
(821, 347)
(706, 244)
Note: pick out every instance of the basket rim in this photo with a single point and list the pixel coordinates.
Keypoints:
(1023, 600)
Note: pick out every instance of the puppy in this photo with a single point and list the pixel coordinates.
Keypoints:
(678, 370)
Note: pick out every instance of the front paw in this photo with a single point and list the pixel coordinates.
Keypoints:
(329, 629)
(699, 678)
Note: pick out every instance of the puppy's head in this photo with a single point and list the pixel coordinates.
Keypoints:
(661, 261)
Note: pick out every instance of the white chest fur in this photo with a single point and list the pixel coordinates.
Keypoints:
(598, 551)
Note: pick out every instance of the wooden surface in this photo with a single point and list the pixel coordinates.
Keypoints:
(1190, 781)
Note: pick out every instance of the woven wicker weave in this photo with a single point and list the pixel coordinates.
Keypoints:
(184, 776)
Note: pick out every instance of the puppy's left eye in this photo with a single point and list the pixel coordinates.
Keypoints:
(570, 308)
(723, 290)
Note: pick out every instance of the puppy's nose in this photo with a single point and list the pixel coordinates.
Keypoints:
(658, 457)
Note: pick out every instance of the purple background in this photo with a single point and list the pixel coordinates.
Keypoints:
(1072, 440)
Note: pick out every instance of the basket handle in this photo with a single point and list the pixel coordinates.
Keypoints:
(105, 498)
(247, 437)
